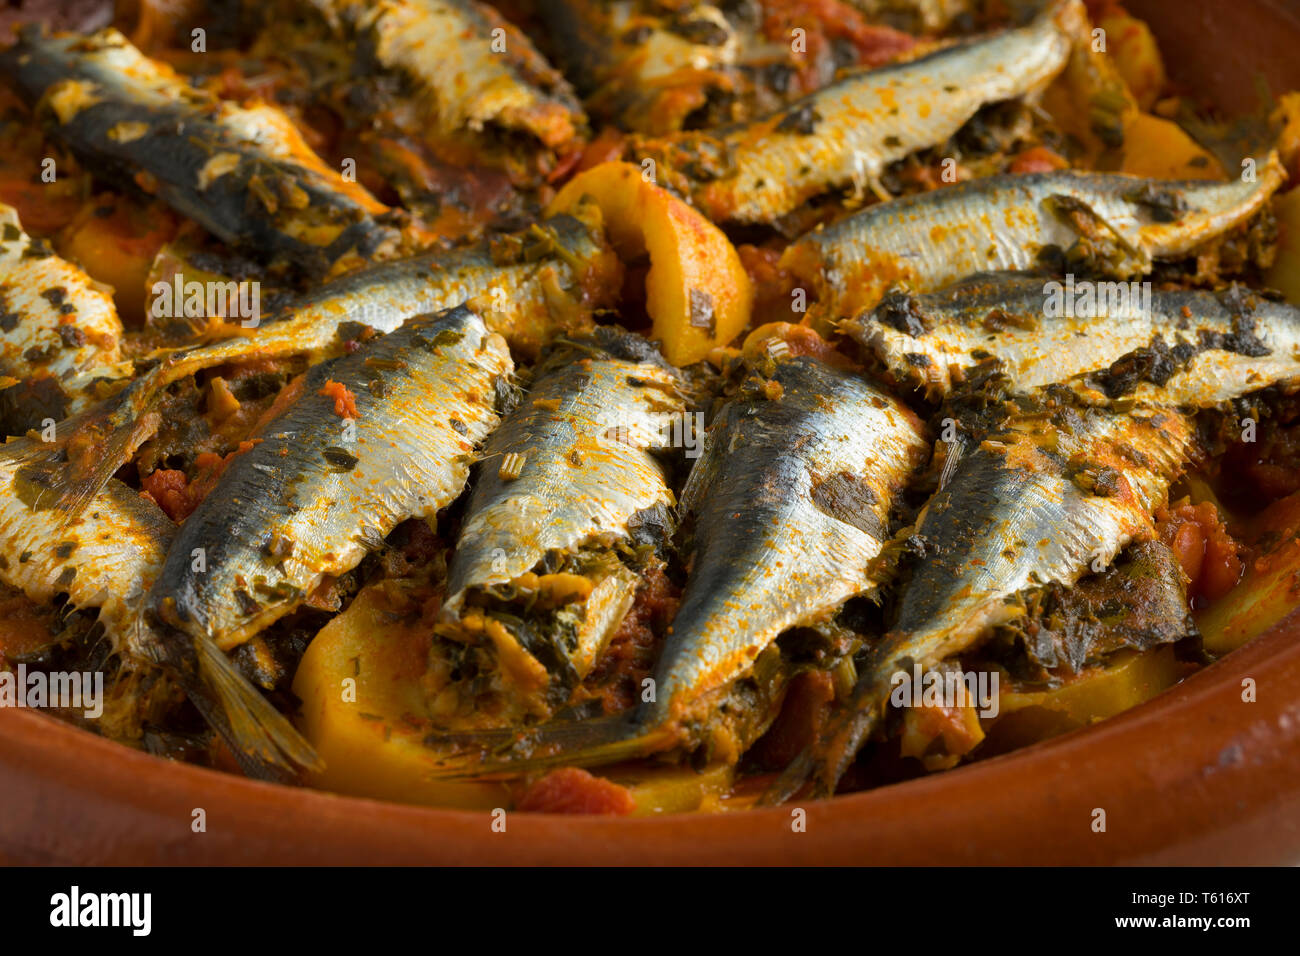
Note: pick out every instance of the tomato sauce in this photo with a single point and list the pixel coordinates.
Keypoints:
(345, 403)
(573, 790)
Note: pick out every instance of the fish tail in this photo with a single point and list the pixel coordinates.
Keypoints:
(1254, 135)
(101, 440)
(33, 456)
(825, 761)
(45, 464)
(266, 745)
(513, 751)
(791, 780)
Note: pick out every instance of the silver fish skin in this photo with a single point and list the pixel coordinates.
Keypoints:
(479, 71)
(243, 173)
(1190, 348)
(319, 491)
(850, 131)
(1235, 344)
(790, 507)
(584, 433)
(1009, 223)
(108, 557)
(655, 69)
(533, 291)
(516, 277)
(59, 332)
(1057, 493)
(633, 60)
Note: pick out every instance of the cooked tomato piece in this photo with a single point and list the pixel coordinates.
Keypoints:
(573, 790)
(1199, 539)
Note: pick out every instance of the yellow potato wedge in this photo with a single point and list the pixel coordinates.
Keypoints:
(1159, 149)
(698, 295)
(1026, 717)
(369, 733)
(1137, 56)
(672, 789)
(1285, 274)
(958, 729)
(1287, 118)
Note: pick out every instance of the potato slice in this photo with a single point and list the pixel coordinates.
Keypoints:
(1285, 274)
(116, 242)
(371, 735)
(1124, 682)
(1159, 149)
(1026, 717)
(1287, 116)
(698, 295)
(673, 789)
(1130, 41)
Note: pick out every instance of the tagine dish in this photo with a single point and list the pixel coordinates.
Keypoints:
(632, 407)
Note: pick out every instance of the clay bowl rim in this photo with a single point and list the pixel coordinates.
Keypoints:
(1224, 785)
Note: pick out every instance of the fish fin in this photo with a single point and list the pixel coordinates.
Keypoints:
(41, 475)
(266, 745)
(791, 780)
(889, 561)
(110, 433)
(1253, 134)
(37, 458)
(830, 756)
(514, 751)
(955, 451)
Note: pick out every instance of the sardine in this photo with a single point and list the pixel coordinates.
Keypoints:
(642, 67)
(244, 174)
(484, 79)
(108, 557)
(530, 286)
(850, 131)
(1108, 339)
(1137, 604)
(324, 483)
(570, 473)
(59, 333)
(655, 68)
(1057, 492)
(582, 437)
(1103, 223)
(790, 506)
(1236, 342)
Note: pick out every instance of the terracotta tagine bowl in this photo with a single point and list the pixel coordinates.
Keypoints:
(1196, 775)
